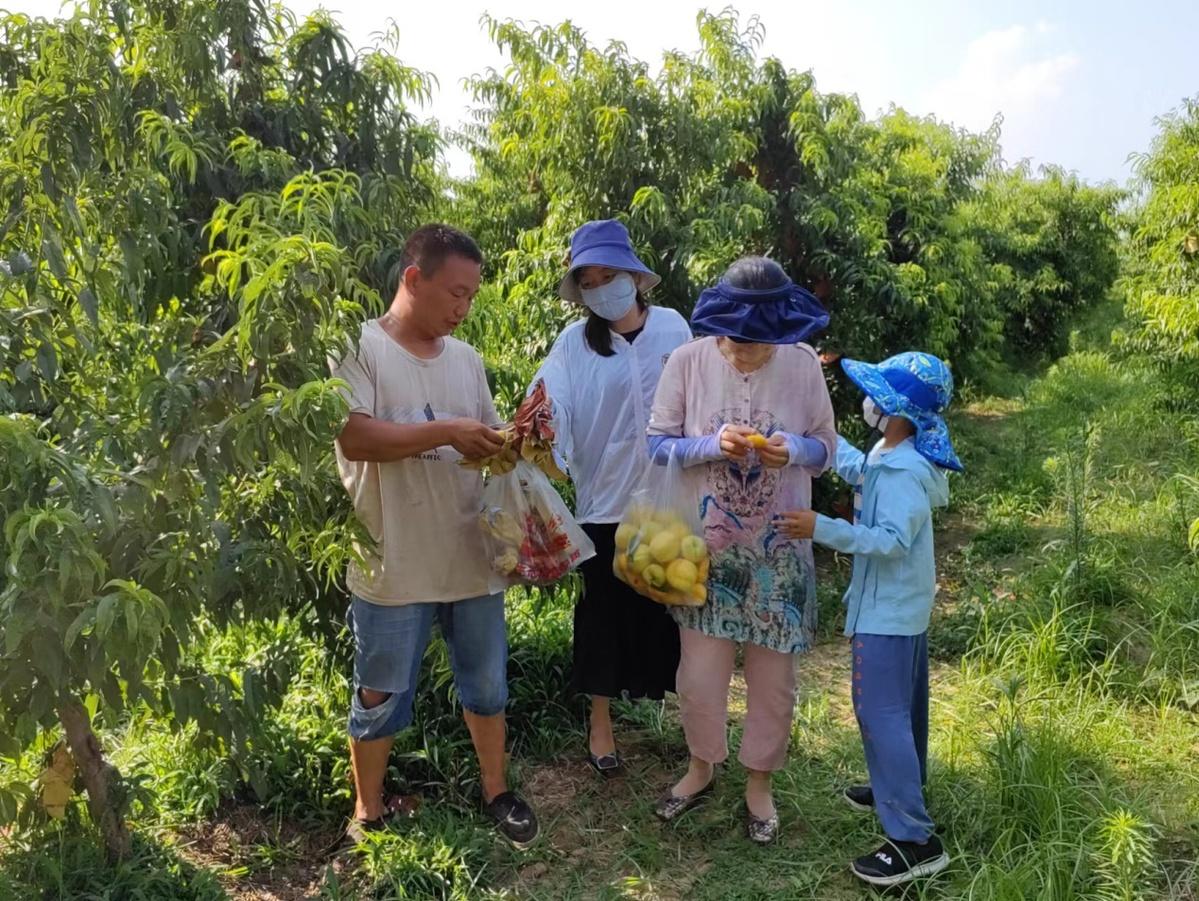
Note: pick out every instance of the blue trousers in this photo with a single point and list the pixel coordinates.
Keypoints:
(890, 698)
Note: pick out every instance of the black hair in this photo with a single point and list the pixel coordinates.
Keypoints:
(755, 274)
(427, 248)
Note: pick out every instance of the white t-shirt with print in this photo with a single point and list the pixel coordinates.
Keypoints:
(423, 512)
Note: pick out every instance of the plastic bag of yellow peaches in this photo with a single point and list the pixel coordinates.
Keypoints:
(660, 549)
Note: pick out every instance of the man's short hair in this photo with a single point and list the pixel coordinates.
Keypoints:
(427, 248)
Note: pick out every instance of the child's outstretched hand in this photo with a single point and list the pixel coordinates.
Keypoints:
(797, 523)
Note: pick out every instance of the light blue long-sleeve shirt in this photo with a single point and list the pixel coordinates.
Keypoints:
(894, 571)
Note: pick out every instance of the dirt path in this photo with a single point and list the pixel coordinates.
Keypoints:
(258, 859)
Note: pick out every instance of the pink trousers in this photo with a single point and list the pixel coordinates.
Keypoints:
(705, 668)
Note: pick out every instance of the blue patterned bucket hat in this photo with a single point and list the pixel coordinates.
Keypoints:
(603, 242)
(918, 387)
(786, 314)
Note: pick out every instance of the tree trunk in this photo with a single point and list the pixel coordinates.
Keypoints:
(100, 778)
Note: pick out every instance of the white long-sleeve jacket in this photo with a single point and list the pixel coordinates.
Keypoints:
(602, 407)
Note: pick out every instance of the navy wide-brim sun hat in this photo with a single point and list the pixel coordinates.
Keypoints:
(786, 314)
(604, 242)
(918, 387)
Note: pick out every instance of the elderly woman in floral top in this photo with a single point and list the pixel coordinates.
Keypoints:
(749, 376)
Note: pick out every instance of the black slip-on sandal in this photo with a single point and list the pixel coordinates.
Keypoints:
(607, 765)
(513, 818)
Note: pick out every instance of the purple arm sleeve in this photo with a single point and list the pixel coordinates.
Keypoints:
(805, 451)
(688, 451)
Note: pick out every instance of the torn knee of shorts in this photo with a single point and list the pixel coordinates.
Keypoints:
(383, 719)
(369, 698)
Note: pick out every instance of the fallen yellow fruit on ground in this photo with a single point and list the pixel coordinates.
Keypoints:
(57, 782)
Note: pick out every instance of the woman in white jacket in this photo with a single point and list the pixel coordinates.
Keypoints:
(601, 376)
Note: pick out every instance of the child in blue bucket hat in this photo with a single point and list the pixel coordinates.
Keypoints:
(890, 597)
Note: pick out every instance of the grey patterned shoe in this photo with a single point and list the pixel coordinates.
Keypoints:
(761, 832)
(670, 806)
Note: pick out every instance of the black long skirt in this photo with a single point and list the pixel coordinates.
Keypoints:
(625, 644)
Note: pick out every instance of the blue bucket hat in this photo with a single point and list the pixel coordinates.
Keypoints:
(603, 242)
(918, 387)
(786, 314)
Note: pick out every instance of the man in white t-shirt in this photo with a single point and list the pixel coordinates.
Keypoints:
(419, 403)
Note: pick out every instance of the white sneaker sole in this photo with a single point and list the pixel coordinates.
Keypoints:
(860, 808)
(519, 846)
(928, 868)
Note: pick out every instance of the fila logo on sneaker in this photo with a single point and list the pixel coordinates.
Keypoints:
(885, 858)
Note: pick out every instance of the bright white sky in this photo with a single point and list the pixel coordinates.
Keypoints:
(1079, 82)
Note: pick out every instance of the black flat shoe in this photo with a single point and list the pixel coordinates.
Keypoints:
(859, 797)
(669, 806)
(607, 765)
(514, 818)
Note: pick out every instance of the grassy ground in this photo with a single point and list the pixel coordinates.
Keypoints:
(1064, 746)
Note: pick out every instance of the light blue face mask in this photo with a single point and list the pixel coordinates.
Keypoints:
(613, 300)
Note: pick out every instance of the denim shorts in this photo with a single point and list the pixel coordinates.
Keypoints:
(390, 642)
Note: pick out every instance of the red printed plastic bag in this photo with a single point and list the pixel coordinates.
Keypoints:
(660, 549)
(528, 532)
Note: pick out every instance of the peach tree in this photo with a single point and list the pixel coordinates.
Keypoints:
(197, 202)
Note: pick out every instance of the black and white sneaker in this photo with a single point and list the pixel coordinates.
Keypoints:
(859, 797)
(514, 818)
(898, 862)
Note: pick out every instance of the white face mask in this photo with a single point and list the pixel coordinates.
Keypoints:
(875, 418)
(613, 300)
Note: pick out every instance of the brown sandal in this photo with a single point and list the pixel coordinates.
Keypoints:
(404, 806)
